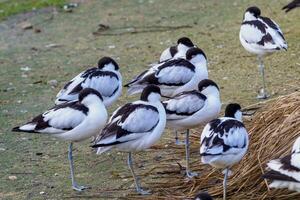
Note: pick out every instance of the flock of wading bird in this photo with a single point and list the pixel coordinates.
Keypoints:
(190, 100)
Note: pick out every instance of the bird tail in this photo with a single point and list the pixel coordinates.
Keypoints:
(29, 128)
(135, 89)
(101, 150)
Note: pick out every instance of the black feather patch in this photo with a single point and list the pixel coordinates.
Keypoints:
(258, 24)
(266, 39)
(274, 175)
(287, 165)
(194, 92)
(153, 78)
(74, 105)
(173, 50)
(217, 127)
(114, 129)
(272, 25)
(137, 78)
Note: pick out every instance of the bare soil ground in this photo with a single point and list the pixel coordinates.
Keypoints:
(62, 44)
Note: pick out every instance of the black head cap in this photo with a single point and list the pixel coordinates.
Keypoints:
(186, 41)
(193, 52)
(231, 109)
(254, 10)
(203, 196)
(148, 90)
(205, 83)
(106, 60)
(87, 91)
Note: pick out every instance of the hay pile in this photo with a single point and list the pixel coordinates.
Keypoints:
(273, 129)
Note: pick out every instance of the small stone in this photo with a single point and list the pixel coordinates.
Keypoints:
(25, 69)
(37, 30)
(12, 178)
(26, 25)
(53, 45)
(111, 46)
(53, 83)
(2, 149)
(42, 192)
(19, 101)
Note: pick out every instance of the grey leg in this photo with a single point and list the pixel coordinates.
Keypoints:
(262, 93)
(136, 179)
(74, 184)
(225, 183)
(189, 174)
(177, 142)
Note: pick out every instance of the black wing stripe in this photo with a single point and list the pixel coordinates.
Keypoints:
(274, 175)
(258, 24)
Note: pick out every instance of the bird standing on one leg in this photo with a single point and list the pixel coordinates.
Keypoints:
(134, 127)
(191, 109)
(224, 141)
(74, 121)
(261, 36)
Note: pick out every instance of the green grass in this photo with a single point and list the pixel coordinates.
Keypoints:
(215, 29)
(12, 7)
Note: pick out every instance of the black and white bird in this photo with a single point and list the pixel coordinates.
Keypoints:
(285, 172)
(179, 50)
(261, 36)
(203, 196)
(74, 121)
(105, 78)
(224, 141)
(134, 127)
(191, 109)
(173, 76)
(293, 4)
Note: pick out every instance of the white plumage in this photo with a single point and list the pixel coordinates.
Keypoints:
(193, 108)
(135, 126)
(183, 44)
(224, 141)
(173, 76)
(285, 172)
(74, 121)
(261, 35)
(106, 79)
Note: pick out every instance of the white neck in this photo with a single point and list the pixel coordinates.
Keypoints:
(182, 47)
(199, 60)
(154, 97)
(248, 16)
(239, 116)
(91, 99)
(109, 67)
(211, 91)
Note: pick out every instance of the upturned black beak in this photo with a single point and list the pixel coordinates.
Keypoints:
(249, 111)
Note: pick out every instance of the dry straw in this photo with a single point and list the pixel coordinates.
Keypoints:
(273, 129)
